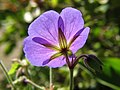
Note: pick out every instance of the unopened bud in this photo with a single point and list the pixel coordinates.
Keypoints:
(93, 63)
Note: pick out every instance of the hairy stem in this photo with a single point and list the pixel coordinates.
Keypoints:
(6, 74)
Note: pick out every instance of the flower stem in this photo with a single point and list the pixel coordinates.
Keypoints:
(50, 76)
(51, 82)
(108, 84)
(71, 79)
(76, 61)
(34, 84)
(8, 77)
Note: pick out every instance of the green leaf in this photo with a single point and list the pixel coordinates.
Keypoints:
(111, 72)
(14, 67)
(111, 64)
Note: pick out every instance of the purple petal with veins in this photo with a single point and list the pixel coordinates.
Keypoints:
(40, 41)
(75, 36)
(80, 40)
(61, 24)
(73, 21)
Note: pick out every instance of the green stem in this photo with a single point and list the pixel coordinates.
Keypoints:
(107, 84)
(6, 74)
(50, 76)
(34, 84)
(71, 79)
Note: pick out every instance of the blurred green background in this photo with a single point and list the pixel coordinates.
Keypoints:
(102, 16)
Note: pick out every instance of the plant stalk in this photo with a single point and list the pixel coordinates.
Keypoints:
(50, 76)
(34, 84)
(51, 82)
(7, 76)
(71, 79)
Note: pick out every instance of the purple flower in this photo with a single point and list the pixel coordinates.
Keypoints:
(54, 36)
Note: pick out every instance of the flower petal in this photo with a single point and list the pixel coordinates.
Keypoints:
(80, 40)
(73, 21)
(57, 62)
(52, 58)
(45, 43)
(60, 24)
(35, 52)
(75, 36)
(38, 55)
(46, 27)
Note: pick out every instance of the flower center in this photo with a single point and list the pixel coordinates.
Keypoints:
(65, 51)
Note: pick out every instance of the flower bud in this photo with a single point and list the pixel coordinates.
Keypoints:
(93, 63)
